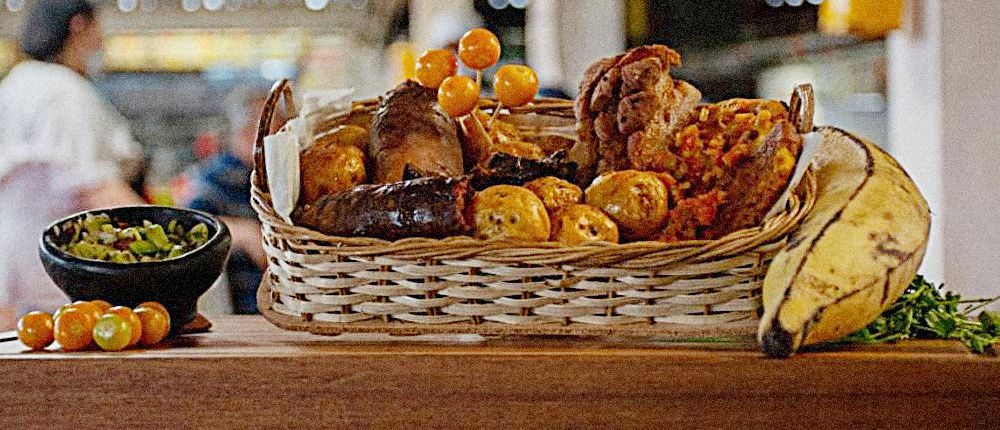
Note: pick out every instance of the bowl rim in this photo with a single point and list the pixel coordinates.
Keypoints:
(47, 244)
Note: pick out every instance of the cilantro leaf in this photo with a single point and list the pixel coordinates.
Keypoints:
(926, 311)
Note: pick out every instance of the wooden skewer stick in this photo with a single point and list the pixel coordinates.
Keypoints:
(496, 112)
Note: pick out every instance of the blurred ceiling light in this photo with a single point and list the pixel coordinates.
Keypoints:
(815, 2)
(499, 4)
(775, 3)
(794, 3)
(213, 5)
(191, 5)
(127, 5)
(14, 5)
(316, 4)
(520, 4)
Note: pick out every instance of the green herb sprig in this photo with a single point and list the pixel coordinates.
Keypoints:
(925, 311)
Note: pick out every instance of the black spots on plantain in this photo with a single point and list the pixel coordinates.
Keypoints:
(887, 285)
(827, 289)
(794, 241)
(898, 254)
(777, 342)
(885, 246)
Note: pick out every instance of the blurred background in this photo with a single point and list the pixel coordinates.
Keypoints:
(902, 73)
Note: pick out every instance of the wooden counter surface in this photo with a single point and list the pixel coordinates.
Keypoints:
(246, 373)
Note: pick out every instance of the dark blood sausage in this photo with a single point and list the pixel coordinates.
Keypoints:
(506, 169)
(409, 129)
(410, 172)
(424, 207)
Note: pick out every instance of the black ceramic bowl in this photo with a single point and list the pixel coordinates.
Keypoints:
(176, 283)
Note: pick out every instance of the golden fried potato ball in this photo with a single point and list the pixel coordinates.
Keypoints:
(329, 169)
(350, 135)
(578, 223)
(507, 211)
(637, 201)
(555, 193)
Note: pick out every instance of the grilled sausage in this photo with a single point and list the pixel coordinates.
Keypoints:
(424, 207)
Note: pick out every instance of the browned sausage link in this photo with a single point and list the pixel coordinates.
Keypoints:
(424, 207)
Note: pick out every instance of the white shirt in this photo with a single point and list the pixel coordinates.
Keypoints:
(56, 135)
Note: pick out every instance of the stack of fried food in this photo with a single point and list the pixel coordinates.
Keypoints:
(722, 166)
(651, 161)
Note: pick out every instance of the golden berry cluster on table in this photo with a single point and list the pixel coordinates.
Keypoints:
(85, 325)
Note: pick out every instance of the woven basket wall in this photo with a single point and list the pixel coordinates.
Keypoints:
(330, 285)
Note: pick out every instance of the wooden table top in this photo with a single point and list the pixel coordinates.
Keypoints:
(247, 373)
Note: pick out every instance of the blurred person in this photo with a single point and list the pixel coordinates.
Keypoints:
(63, 148)
(220, 185)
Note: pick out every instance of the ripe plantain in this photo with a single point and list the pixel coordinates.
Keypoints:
(852, 256)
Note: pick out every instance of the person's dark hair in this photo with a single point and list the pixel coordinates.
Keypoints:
(46, 26)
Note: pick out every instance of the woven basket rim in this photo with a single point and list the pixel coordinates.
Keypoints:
(624, 255)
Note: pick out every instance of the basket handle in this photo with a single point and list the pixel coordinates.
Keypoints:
(802, 107)
(281, 87)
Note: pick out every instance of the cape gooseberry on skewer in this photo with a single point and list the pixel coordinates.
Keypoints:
(479, 48)
(515, 85)
(434, 66)
(458, 95)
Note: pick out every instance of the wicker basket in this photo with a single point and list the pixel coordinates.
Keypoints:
(331, 285)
